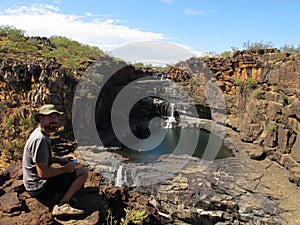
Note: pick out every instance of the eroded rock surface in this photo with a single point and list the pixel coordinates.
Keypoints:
(186, 190)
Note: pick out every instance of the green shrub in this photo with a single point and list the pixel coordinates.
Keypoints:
(12, 33)
(72, 53)
(28, 123)
(9, 121)
(284, 100)
(274, 87)
(226, 54)
(290, 48)
(287, 150)
(272, 126)
(133, 216)
(251, 83)
(258, 45)
(258, 94)
(239, 83)
(191, 81)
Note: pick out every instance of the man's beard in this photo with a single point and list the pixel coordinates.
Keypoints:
(51, 127)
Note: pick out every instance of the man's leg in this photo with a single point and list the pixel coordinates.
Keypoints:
(82, 175)
(64, 208)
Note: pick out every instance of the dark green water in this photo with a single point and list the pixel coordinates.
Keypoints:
(207, 143)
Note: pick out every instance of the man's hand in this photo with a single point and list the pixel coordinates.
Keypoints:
(68, 158)
(70, 167)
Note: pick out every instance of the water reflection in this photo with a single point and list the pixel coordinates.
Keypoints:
(171, 140)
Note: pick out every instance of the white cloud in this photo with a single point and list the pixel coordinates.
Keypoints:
(46, 20)
(193, 12)
(154, 52)
(34, 9)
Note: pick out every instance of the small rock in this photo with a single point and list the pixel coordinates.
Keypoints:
(287, 161)
(295, 175)
(15, 171)
(257, 154)
(230, 205)
(269, 150)
(9, 202)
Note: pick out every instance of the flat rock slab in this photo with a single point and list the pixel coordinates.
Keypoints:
(9, 202)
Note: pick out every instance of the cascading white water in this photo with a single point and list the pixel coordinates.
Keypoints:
(172, 105)
(120, 178)
(171, 122)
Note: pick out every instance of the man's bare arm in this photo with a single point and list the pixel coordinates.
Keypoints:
(44, 171)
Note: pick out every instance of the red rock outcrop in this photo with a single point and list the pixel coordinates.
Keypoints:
(101, 203)
(261, 89)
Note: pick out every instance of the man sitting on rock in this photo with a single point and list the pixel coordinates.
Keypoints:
(41, 179)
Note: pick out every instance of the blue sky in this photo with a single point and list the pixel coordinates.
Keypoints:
(198, 25)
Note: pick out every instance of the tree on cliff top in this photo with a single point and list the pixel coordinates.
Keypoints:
(12, 33)
(258, 45)
(71, 54)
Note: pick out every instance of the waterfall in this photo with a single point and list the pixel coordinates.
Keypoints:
(172, 105)
(120, 179)
(170, 122)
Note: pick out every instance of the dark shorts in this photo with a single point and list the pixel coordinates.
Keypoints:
(57, 185)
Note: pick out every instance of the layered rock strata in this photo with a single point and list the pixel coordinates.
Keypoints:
(261, 94)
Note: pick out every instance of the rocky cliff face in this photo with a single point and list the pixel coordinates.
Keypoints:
(261, 92)
(260, 88)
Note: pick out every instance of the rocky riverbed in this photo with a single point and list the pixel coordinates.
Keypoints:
(174, 189)
(188, 190)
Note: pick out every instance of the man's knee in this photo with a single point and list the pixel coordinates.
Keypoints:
(81, 171)
(85, 173)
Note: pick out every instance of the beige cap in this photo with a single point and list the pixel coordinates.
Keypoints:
(46, 109)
